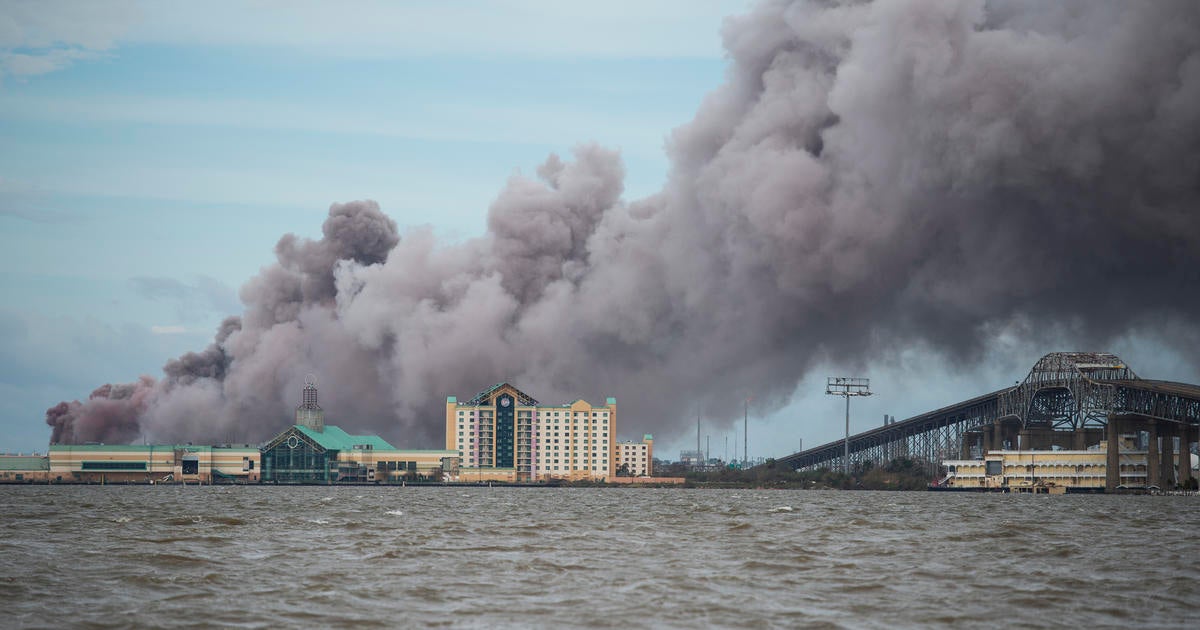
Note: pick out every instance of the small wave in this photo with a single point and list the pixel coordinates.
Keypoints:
(782, 508)
(122, 519)
(175, 559)
(326, 499)
(394, 513)
(185, 520)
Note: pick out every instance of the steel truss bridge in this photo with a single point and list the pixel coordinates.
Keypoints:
(1066, 400)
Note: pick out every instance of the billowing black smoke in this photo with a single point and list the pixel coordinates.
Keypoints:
(870, 176)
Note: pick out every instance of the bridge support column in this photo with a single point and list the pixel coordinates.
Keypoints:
(1185, 455)
(1166, 460)
(1153, 468)
(1010, 434)
(1079, 439)
(1112, 471)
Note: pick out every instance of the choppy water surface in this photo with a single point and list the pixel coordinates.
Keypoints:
(486, 557)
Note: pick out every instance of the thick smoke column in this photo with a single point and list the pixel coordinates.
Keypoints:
(868, 177)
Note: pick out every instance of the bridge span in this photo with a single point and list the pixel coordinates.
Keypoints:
(1071, 400)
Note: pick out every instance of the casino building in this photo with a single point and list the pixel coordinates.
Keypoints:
(313, 452)
(504, 434)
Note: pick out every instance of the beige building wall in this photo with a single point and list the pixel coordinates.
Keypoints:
(152, 463)
(391, 465)
(638, 456)
(1065, 469)
(572, 441)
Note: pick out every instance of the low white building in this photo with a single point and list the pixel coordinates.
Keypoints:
(636, 457)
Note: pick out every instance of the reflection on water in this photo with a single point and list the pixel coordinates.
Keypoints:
(317, 556)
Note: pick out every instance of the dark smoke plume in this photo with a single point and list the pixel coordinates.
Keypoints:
(869, 177)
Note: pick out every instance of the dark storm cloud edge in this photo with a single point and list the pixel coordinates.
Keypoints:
(869, 176)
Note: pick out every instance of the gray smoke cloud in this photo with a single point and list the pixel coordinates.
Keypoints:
(869, 177)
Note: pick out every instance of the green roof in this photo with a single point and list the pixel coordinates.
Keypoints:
(24, 462)
(147, 448)
(335, 439)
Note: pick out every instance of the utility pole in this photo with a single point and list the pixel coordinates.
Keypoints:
(745, 432)
(847, 386)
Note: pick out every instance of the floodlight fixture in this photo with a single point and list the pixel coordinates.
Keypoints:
(846, 387)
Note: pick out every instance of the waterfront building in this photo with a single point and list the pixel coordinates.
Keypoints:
(302, 454)
(24, 468)
(503, 434)
(637, 458)
(152, 463)
(313, 452)
(1050, 470)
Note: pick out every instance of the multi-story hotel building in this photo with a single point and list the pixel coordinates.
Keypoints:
(636, 457)
(503, 434)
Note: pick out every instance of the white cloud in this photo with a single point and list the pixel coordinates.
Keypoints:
(373, 28)
(41, 37)
(37, 37)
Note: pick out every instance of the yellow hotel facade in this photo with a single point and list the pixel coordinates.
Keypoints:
(503, 434)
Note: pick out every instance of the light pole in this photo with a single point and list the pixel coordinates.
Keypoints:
(745, 432)
(847, 386)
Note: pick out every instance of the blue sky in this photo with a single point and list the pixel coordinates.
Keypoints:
(154, 152)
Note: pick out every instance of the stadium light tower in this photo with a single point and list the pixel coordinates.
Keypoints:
(847, 386)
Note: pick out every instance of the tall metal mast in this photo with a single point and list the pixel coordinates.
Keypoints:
(847, 386)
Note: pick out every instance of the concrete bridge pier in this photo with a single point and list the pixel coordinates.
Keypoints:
(1083, 438)
(1008, 433)
(1036, 439)
(1185, 455)
(1166, 458)
(1112, 469)
(1153, 450)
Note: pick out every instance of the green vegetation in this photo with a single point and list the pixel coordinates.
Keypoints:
(898, 474)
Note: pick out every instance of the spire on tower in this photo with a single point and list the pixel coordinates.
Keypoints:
(309, 413)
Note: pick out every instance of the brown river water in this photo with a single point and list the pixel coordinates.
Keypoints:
(270, 557)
